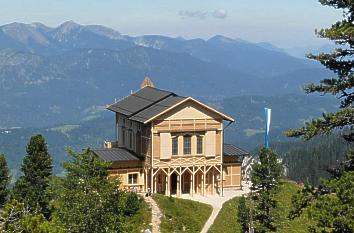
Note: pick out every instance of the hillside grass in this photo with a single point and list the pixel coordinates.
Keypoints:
(139, 221)
(181, 215)
(226, 221)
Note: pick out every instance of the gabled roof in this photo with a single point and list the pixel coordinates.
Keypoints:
(232, 150)
(157, 108)
(149, 102)
(194, 100)
(139, 100)
(115, 154)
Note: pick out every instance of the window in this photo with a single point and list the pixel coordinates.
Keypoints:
(123, 136)
(175, 145)
(133, 178)
(130, 140)
(199, 144)
(187, 144)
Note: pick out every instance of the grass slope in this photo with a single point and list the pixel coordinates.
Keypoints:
(182, 215)
(226, 221)
(139, 221)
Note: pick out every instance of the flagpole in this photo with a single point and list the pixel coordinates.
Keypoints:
(267, 112)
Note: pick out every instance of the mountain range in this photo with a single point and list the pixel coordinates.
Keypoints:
(63, 74)
(57, 80)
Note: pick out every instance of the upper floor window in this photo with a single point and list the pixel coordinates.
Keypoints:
(187, 144)
(175, 145)
(123, 136)
(199, 144)
(130, 139)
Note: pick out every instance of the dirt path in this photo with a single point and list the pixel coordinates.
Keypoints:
(156, 214)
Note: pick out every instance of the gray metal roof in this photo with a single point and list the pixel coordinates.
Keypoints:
(157, 108)
(232, 150)
(115, 154)
(139, 100)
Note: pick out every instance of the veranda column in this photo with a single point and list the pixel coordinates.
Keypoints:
(193, 182)
(168, 182)
(222, 181)
(203, 184)
(204, 178)
(155, 184)
(191, 187)
(180, 181)
(152, 181)
(166, 185)
(212, 190)
(146, 179)
(178, 185)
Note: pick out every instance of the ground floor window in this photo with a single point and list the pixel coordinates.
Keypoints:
(133, 178)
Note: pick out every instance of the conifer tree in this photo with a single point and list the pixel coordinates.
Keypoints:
(341, 63)
(15, 217)
(243, 214)
(86, 200)
(37, 167)
(331, 205)
(4, 180)
(265, 178)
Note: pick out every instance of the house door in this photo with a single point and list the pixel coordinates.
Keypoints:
(173, 183)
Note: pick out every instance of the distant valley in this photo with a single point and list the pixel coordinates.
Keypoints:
(247, 132)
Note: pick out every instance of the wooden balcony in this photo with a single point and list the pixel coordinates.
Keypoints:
(187, 125)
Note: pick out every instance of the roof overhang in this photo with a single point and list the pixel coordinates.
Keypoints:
(225, 117)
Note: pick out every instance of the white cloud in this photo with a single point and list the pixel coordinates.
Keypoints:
(193, 14)
(219, 14)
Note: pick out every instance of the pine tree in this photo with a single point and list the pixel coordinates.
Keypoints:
(37, 167)
(87, 200)
(243, 214)
(265, 178)
(15, 217)
(4, 180)
(341, 63)
(331, 205)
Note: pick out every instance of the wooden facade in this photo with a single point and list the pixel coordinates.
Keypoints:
(180, 151)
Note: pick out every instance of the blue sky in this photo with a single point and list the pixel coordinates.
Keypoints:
(285, 23)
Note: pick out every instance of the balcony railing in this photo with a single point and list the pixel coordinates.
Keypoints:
(187, 124)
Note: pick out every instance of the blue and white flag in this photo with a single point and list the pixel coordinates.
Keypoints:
(267, 125)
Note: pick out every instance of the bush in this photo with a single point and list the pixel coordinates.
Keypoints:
(132, 204)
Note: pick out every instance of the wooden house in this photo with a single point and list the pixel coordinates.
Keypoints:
(171, 144)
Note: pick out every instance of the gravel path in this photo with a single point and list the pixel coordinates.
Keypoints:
(216, 202)
(156, 214)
